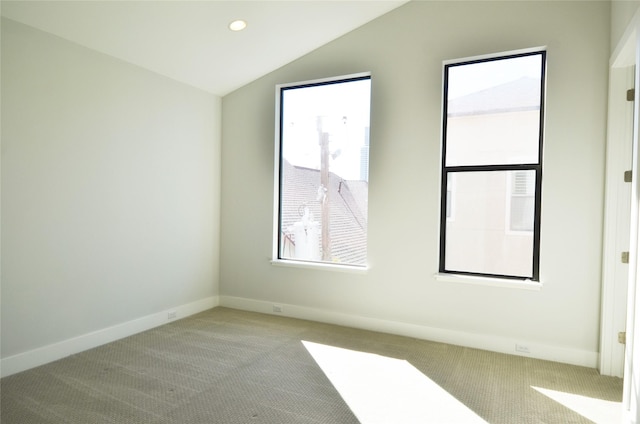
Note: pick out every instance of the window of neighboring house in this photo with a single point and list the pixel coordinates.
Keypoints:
(522, 200)
(492, 149)
(322, 170)
(450, 199)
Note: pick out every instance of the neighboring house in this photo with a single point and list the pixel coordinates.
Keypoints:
(491, 127)
(503, 120)
(347, 212)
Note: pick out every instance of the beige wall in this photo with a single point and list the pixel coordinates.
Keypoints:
(621, 13)
(110, 193)
(404, 51)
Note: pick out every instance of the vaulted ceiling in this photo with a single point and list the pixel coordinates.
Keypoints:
(190, 41)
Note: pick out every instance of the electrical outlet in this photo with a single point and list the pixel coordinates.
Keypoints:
(277, 309)
(172, 315)
(522, 348)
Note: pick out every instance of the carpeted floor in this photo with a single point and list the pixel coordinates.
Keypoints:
(228, 366)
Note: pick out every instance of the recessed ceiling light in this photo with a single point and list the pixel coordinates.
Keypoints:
(238, 25)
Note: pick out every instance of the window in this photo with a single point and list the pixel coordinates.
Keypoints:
(522, 201)
(322, 171)
(450, 199)
(492, 149)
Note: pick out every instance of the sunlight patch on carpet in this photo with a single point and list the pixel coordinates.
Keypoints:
(597, 410)
(383, 390)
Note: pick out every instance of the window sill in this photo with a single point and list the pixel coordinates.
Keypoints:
(489, 281)
(354, 269)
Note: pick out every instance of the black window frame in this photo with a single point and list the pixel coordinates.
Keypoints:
(537, 167)
(279, 238)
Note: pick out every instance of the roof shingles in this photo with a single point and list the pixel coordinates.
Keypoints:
(347, 210)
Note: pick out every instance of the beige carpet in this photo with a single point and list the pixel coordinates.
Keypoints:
(228, 366)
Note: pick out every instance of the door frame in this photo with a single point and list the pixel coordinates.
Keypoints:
(616, 214)
(627, 53)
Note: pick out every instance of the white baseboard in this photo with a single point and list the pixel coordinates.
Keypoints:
(43, 355)
(459, 338)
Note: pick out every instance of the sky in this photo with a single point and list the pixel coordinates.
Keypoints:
(341, 110)
(471, 78)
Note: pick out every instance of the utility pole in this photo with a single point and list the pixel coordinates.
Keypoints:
(323, 139)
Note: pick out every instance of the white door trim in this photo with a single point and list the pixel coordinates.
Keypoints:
(628, 52)
(616, 220)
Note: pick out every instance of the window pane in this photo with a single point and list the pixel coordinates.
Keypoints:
(324, 146)
(480, 239)
(493, 111)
